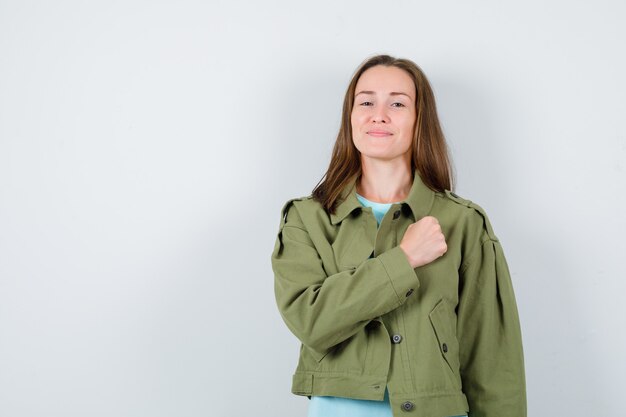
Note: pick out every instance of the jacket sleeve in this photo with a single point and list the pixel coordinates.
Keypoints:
(490, 340)
(323, 310)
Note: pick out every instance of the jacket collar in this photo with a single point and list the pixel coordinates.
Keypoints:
(419, 200)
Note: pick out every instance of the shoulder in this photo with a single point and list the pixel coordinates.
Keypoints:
(295, 208)
(469, 210)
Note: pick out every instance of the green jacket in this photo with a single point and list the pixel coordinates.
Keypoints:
(444, 338)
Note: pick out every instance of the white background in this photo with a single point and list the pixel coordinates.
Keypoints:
(146, 149)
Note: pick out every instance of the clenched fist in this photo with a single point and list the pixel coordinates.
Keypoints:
(423, 242)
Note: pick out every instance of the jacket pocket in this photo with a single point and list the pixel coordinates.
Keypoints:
(443, 324)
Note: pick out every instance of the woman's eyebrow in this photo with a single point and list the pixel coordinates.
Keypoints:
(393, 93)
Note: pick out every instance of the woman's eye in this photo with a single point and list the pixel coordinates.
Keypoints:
(366, 103)
(398, 104)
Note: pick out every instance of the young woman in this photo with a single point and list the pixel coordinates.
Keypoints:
(397, 287)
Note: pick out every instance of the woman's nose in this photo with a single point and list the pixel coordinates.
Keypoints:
(380, 115)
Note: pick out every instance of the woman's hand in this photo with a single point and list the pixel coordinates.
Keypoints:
(423, 242)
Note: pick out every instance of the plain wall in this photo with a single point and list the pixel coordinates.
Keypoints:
(146, 148)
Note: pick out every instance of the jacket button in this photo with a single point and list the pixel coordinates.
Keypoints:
(396, 338)
(409, 292)
(396, 214)
(407, 406)
(445, 347)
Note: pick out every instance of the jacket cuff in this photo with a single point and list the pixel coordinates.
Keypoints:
(400, 273)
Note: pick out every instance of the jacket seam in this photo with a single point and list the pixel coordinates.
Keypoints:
(309, 243)
(295, 227)
(474, 253)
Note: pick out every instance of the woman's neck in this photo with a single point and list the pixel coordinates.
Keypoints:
(384, 184)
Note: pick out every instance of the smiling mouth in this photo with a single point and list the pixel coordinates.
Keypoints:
(379, 134)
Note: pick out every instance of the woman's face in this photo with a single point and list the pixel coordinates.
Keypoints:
(384, 113)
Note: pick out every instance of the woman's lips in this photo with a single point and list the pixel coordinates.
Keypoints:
(378, 134)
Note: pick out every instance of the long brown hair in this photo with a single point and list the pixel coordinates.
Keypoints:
(429, 149)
